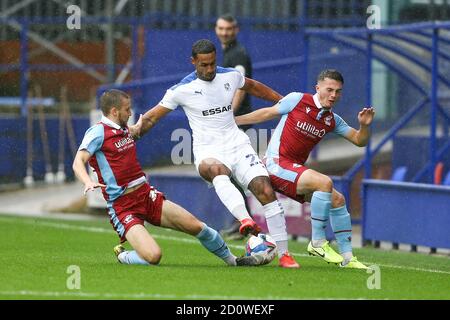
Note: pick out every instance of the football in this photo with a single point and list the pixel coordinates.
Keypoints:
(262, 245)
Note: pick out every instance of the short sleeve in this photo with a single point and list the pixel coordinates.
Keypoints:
(93, 139)
(341, 128)
(288, 103)
(169, 100)
(240, 68)
(240, 79)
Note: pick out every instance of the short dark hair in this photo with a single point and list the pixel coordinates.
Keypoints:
(229, 18)
(112, 98)
(203, 46)
(330, 74)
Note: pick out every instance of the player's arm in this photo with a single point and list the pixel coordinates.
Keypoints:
(361, 137)
(148, 120)
(79, 167)
(284, 106)
(238, 98)
(260, 90)
(258, 116)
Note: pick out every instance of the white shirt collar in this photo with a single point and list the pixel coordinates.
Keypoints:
(110, 123)
(316, 101)
(319, 106)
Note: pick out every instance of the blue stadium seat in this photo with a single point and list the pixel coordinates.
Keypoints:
(446, 181)
(399, 174)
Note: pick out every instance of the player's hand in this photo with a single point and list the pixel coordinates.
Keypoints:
(92, 185)
(365, 116)
(135, 130)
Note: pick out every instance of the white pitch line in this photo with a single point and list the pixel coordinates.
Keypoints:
(192, 241)
(85, 294)
(142, 295)
(409, 268)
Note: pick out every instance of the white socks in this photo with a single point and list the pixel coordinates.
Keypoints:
(230, 197)
(230, 260)
(318, 243)
(347, 256)
(131, 257)
(276, 224)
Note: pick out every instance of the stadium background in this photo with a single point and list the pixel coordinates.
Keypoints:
(144, 46)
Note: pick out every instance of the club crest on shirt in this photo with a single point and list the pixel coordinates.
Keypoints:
(328, 120)
(153, 194)
(227, 86)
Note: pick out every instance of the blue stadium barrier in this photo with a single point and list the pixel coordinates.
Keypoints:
(13, 143)
(156, 146)
(408, 213)
(398, 175)
(17, 101)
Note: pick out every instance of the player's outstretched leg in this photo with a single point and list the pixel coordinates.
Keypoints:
(218, 174)
(175, 217)
(146, 250)
(235, 232)
(233, 200)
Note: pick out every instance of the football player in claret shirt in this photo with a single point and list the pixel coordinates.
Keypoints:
(305, 120)
(110, 150)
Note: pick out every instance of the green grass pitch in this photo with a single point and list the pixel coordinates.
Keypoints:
(37, 253)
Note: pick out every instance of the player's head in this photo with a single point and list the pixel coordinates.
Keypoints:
(116, 105)
(226, 29)
(329, 87)
(204, 59)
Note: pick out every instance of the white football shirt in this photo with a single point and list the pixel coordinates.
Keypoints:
(207, 105)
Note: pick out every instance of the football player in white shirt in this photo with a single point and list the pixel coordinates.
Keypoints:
(220, 149)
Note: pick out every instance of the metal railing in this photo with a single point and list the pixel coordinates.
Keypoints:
(429, 91)
(185, 14)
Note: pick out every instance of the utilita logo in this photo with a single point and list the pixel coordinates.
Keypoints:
(305, 126)
(123, 142)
